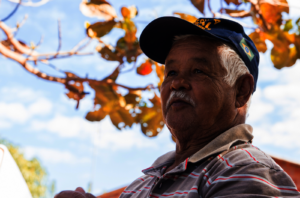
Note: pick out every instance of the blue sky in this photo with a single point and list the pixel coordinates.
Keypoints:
(36, 114)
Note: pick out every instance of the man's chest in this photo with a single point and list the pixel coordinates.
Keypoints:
(180, 184)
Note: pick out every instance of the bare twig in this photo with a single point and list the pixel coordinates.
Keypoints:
(34, 56)
(76, 47)
(106, 45)
(13, 12)
(17, 45)
(59, 42)
(210, 9)
(53, 66)
(40, 42)
(255, 4)
(19, 25)
(37, 45)
(85, 45)
(21, 50)
(48, 56)
(22, 61)
(241, 23)
(112, 83)
(221, 4)
(132, 68)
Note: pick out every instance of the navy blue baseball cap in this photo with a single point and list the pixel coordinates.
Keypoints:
(158, 36)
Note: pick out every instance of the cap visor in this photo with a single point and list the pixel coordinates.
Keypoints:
(158, 36)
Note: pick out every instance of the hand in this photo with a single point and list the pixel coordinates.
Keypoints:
(78, 193)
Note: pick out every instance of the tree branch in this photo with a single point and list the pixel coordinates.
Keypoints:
(21, 50)
(13, 12)
(19, 25)
(33, 55)
(255, 4)
(17, 45)
(76, 47)
(59, 41)
(23, 61)
(132, 68)
(210, 9)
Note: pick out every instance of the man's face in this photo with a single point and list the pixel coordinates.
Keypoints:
(193, 67)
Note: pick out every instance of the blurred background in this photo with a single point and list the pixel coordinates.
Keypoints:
(64, 150)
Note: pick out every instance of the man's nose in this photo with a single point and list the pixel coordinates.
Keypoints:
(180, 83)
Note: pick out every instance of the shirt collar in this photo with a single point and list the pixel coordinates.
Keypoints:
(223, 142)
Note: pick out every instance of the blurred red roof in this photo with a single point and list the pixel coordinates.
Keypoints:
(112, 194)
(291, 168)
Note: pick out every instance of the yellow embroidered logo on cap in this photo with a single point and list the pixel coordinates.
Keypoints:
(217, 21)
(203, 24)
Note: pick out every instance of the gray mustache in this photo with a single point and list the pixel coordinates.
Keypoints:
(182, 95)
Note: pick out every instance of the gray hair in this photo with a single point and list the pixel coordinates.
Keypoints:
(230, 60)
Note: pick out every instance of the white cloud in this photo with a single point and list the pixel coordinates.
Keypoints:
(258, 108)
(54, 156)
(109, 137)
(268, 73)
(103, 134)
(17, 112)
(20, 104)
(284, 94)
(284, 134)
(294, 8)
(19, 93)
(275, 112)
(40, 107)
(65, 126)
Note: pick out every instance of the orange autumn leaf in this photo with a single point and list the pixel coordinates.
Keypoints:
(129, 12)
(100, 29)
(130, 30)
(97, 8)
(199, 4)
(186, 17)
(125, 12)
(145, 68)
(259, 41)
(272, 10)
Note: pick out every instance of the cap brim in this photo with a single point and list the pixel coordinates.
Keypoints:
(158, 36)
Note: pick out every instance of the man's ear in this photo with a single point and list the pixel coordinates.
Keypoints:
(244, 89)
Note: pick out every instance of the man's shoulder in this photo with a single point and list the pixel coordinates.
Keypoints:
(246, 154)
(256, 172)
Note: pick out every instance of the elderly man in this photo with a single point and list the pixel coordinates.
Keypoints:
(211, 70)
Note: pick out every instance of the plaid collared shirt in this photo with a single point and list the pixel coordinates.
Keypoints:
(229, 166)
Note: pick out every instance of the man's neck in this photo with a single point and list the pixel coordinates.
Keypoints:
(187, 146)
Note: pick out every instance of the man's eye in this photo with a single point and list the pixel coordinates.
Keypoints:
(171, 73)
(197, 71)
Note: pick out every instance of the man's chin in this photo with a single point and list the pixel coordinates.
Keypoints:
(178, 122)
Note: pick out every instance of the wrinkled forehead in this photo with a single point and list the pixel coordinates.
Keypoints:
(197, 39)
(195, 48)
